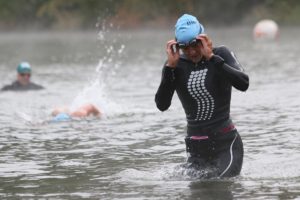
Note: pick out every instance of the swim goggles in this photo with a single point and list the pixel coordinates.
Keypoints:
(192, 43)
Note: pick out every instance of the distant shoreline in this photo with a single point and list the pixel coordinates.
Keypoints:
(133, 15)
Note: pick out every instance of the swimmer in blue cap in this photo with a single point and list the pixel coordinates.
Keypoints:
(64, 114)
(23, 82)
(203, 76)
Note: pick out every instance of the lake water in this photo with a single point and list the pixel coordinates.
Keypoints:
(134, 151)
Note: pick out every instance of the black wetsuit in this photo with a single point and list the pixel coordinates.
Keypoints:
(16, 86)
(204, 89)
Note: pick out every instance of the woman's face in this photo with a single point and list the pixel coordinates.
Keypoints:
(193, 52)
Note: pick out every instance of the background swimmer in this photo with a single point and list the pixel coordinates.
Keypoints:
(64, 113)
(23, 82)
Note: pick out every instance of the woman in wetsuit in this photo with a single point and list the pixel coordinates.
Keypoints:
(203, 77)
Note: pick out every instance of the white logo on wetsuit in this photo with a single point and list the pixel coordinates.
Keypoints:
(196, 88)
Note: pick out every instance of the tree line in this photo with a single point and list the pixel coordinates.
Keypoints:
(85, 14)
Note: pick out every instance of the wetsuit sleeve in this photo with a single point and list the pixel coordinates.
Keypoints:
(35, 86)
(230, 68)
(166, 89)
(3, 88)
(6, 88)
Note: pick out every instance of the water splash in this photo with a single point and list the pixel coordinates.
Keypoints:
(96, 92)
(167, 172)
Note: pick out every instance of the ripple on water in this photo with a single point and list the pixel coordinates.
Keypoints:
(135, 151)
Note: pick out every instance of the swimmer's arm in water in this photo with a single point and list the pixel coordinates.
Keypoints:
(85, 111)
(166, 89)
(230, 68)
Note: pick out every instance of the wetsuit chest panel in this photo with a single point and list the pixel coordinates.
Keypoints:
(202, 92)
(199, 92)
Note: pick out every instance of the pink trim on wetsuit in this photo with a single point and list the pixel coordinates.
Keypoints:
(199, 137)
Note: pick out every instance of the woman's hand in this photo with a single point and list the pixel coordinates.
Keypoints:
(172, 53)
(206, 47)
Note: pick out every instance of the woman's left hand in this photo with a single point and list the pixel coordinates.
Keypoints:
(206, 47)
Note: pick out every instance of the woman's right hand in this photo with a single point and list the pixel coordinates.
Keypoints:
(173, 54)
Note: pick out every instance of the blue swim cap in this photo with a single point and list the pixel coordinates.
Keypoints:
(61, 117)
(187, 28)
(24, 67)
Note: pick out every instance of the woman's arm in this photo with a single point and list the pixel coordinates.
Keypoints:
(166, 89)
(226, 63)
